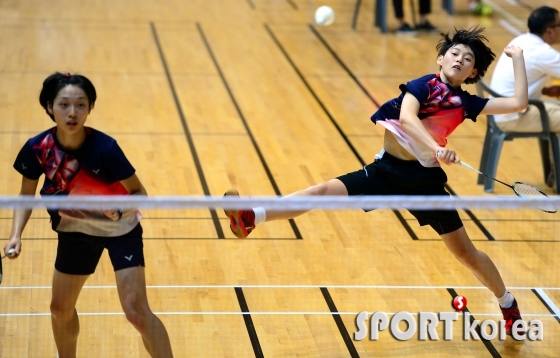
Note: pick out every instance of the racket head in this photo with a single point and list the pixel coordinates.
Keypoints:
(524, 190)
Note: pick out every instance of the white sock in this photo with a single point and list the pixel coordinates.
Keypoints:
(506, 300)
(260, 215)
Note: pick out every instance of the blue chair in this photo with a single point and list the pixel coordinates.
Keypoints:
(495, 138)
(380, 12)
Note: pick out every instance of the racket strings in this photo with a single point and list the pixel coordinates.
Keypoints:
(529, 191)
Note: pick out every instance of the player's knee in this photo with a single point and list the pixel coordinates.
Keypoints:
(61, 312)
(137, 316)
(318, 189)
(136, 319)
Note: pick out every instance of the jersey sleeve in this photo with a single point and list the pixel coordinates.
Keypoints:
(418, 88)
(27, 163)
(474, 105)
(116, 163)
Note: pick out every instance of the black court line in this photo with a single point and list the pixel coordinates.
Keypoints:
(188, 135)
(337, 58)
(475, 220)
(339, 323)
(249, 323)
(251, 4)
(343, 65)
(335, 124)
(546, 304)
(292, 4)
(491, 349)
(244, 121)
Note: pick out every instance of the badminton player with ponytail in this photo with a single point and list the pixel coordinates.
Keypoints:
(417, 124)
(79, 160)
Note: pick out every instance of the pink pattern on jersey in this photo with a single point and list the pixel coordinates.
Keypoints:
(439, 97)
(439, 125)
(60, 167)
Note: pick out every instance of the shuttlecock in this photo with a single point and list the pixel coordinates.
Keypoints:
(324, 16)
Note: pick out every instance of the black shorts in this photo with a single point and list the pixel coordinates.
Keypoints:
(392, 176)
(79, 254)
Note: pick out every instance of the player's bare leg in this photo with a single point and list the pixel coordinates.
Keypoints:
(460, 245)
(242, 221)
(64, 318)
(131, 285)
(331, 188)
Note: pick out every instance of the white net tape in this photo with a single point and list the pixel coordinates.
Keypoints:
(273, 203)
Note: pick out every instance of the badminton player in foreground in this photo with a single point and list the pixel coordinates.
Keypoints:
(416, 125)
(79, 160)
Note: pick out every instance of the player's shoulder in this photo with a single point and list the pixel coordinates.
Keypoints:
(425, 79)
(418, 84)
(41, 136)
(99, 138)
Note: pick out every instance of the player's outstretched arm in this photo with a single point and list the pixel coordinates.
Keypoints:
(520, 99)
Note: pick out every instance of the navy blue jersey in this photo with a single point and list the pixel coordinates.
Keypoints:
(442, 109)
(96, 168)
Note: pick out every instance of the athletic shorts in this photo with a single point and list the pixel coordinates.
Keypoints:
(79, 254)
(392, 176)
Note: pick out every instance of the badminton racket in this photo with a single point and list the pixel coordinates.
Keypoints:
(11, 252)
(520, 189)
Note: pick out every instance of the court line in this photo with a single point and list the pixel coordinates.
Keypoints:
(498, 9)
(396, 287)
(254, 142)
(188, 135)
(487, 343)
(339, 323)
(506, 25)
(251, 4)
(292, 4)
(249, 323)
(547, 302)
(261, 313)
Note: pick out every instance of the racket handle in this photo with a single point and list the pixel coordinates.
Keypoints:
(463, 164)
(11, 252)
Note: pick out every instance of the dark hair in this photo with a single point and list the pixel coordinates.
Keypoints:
(474, 39)
(57, 81)
(541, 18)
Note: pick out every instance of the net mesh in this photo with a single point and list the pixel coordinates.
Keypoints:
(530, 198)
(203, 216)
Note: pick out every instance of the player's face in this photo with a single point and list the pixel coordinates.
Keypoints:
(70, 109)
(457, 64)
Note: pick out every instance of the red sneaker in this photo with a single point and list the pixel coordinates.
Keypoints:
(241, 222)
(512, 315)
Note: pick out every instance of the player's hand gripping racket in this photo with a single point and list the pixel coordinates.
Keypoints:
(520, 189)
(11, 252)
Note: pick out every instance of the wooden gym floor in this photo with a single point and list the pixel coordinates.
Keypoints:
(206, 95)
